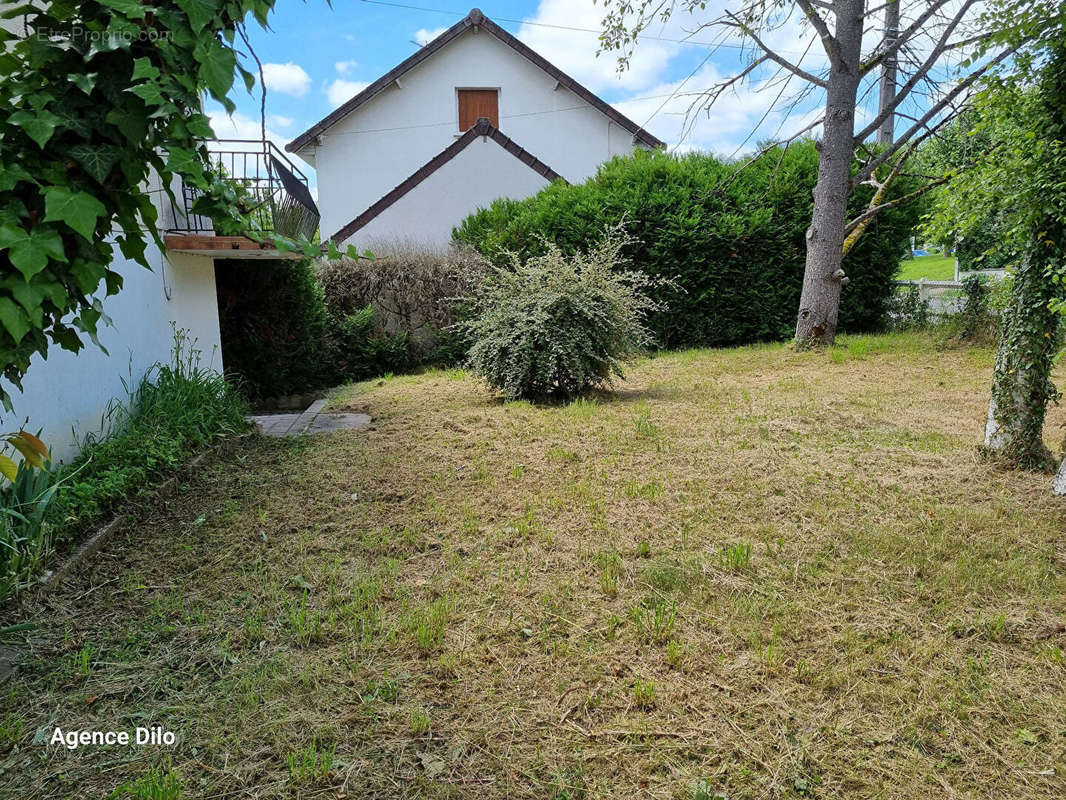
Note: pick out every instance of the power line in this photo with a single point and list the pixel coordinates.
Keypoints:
(449, 12)
(677, 91)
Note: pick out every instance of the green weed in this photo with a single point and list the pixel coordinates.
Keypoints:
(10, 727)
(610, 565)
(419, 721)
(675, 653)
(655, 624)
(384, 691)
(644, 693)
(735, 556)
(428, 626)
(311, 763)
(156, 784)
(305, 624)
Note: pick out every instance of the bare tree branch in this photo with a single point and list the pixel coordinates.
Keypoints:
(920, 73)
(905, 35)
(829, 43)
(715, 91)
(858, 226)
(767, 148)
(923, 121)
(855, 228)
(773, 56)
(980, 37)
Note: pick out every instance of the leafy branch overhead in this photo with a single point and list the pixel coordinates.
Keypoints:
(108, 94)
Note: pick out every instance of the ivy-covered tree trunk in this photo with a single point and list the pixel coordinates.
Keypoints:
(1032, 322)
(1021, 384)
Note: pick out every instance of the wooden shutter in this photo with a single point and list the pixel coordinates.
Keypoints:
(477, 103)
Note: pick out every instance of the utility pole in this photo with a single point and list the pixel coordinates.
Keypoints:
(887, 132)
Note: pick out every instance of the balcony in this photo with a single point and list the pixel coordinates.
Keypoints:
(281, 200)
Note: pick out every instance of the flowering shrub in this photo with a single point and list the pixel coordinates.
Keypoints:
(554, 326)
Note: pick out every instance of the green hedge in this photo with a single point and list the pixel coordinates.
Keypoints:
(273, 325)
(732, 238)
(280, 337)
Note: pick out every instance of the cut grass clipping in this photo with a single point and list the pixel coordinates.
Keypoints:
(749, 573)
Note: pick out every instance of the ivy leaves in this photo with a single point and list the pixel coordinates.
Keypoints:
(216, 68)
(29, 251)
(97, 160)
(39, 125)
(79, 210)
(14, 319)
(130, 8)
(199, 12)
(101, 93)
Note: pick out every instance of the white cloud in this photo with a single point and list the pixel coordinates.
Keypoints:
(656, 57)
(574, 52)
(279, 121)
(238, 126)
(341, 90)
(550, 32)
(344, 67)
(288, 78)
(649, 83)
(426, 35)
(739, 119)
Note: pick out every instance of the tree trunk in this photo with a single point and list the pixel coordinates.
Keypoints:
(816, 323)
(1021, 383)
(887, 132)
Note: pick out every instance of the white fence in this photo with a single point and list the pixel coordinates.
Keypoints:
(945, 297)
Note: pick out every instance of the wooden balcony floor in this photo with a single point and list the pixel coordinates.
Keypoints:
(211, 246)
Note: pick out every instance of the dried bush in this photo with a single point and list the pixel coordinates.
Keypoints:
(412, 290)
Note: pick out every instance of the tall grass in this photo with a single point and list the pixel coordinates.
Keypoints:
(175, 410)
(24, 539)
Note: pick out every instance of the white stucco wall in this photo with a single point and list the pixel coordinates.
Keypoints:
(67, 395)
(480, 173)
(376, 147)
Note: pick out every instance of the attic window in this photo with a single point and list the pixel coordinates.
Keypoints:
(477, 103)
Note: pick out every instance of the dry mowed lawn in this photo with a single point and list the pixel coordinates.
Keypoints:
(752, 573)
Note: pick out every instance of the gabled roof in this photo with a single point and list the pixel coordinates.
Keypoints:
(482, 128)
(475, 19)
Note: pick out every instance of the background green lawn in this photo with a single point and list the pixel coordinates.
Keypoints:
(933, 267)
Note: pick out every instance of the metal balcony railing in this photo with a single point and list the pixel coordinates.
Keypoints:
(281, 198)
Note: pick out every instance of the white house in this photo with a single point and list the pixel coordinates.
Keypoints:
(407, 158)
(472, 116)
(68, 396)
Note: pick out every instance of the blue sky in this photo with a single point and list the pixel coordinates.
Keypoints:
(317, 56)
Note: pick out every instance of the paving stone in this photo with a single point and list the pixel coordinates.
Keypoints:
(275, 424)
(313, 420)
(303, 424)
(338, 422)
